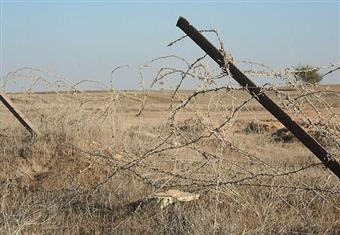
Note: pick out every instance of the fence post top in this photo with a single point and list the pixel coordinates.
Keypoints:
(182, 21)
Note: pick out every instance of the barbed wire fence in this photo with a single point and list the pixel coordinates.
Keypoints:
(197, 144)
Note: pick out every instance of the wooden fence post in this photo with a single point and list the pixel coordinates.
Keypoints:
(18, 115)
(320, 152)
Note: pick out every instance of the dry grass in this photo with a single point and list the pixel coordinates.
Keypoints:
(95, 157)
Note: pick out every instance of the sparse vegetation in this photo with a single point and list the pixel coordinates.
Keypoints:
(308, 74)
(64, 180)
(103, 153)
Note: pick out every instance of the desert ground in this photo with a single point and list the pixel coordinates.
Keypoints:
(102, 155)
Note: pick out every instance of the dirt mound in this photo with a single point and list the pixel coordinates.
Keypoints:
(52, 162)
(325, 135)
(283, 135)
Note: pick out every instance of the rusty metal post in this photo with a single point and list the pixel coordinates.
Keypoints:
(262, 98)
(18, 115)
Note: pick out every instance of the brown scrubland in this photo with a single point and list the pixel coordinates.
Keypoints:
(101, 152)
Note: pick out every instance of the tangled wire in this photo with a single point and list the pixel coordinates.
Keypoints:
(197, 146)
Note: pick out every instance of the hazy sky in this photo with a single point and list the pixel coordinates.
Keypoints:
(87, 39)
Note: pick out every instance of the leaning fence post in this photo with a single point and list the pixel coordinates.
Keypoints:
(329, 161)
(18, 115)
